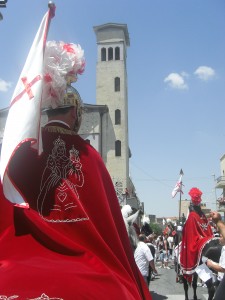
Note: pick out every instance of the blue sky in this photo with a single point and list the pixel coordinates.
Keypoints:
(176, 83)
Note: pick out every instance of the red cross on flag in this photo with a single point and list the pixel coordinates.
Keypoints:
(23, 121)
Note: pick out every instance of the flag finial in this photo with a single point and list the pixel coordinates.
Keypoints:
(52, 7)
(50, 4)
(181, 172)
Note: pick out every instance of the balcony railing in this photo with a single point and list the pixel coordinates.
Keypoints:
(220, 182)
(221, 204)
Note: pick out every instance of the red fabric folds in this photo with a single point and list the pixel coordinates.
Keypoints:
(72, 242)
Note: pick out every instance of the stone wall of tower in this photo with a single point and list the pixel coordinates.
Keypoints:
(109, 38)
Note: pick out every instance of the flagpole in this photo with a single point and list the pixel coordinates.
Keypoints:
(25, 102)
(179, 234)
(181, 174)
(180, 207)
(52, 8)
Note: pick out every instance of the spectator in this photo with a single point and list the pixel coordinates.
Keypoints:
(160, 250)
(166, 251)
(150, 243)
(144, 258)
(171, 245)
(216, 218)
(218, 267)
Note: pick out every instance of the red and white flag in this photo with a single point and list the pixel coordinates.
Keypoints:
(23, 121)
(178, 186)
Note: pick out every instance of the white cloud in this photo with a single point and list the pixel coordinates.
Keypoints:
(4, 85)
(176, 81)
(204, 73)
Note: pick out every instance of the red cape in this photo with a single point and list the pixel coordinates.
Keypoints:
(196, 232)
(72, 242)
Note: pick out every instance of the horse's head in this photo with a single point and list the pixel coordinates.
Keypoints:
(129, 220)
(126, 210)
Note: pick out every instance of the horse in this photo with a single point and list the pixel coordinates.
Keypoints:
(129, 220)
(133, 230)
(211, 250)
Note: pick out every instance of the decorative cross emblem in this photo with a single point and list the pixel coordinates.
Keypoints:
(204, 226)
(26, 90)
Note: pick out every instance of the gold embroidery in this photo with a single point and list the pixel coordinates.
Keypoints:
(59, 129)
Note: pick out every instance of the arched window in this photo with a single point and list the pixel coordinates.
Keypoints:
(103, 54)
(118, 148)
(117, 117)
(117, 84)
(117, 53)
(110, 53)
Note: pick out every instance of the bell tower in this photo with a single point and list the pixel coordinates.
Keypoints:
(111, 90)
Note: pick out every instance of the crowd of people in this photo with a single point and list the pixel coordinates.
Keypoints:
(185, 248)
(154, 250)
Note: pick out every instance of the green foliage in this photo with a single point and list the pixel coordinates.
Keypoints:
(156, 228)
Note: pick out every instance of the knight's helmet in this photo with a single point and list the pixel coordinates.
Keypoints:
(62, 64)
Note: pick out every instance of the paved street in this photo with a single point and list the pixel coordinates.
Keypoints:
(165, 287)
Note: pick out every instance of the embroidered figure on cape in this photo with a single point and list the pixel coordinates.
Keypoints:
(58, 200)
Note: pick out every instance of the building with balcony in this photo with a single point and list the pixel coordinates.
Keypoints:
(220, 185)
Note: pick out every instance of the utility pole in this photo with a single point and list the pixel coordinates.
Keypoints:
(214, 178)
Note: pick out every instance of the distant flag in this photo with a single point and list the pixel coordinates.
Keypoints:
(178, 186)
(166, 230)
(23, 121)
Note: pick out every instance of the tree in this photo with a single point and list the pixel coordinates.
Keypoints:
(156, 228)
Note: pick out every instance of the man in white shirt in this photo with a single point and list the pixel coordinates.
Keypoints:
(144, 258)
